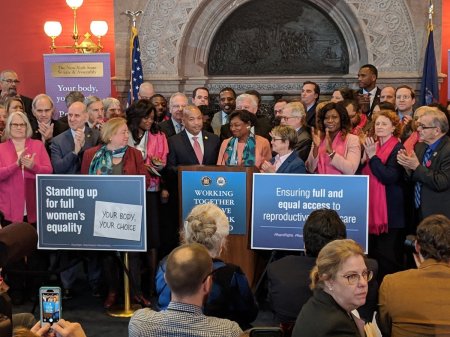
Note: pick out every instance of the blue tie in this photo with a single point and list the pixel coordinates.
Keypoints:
(418, 186)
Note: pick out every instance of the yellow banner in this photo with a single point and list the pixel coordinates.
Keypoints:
(77, 69)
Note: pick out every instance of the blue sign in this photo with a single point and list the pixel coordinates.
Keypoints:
(225, 189)
(283, 202)
(91, 212)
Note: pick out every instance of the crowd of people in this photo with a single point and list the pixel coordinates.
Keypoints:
(371, 131)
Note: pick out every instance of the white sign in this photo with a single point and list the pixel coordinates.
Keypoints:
(117, 221)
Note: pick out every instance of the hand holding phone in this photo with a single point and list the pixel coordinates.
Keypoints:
(50, 304)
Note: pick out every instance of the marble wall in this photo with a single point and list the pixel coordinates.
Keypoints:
(176, 37)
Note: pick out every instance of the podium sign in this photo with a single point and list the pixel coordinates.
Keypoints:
(283, 202)
(91, 212)
(87, 73)
(225, 189)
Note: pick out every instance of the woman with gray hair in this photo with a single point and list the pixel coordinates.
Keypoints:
(230, 296)
(112, 108)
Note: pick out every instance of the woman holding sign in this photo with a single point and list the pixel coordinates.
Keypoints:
(244, 148)
(115, 157)
(335, 150)
(386, 193)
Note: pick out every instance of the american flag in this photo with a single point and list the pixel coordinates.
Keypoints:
(137, 76)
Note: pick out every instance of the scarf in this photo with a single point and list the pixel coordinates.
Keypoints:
(101, 164)
(411, 142)
(248, 154)
(324, 161)
(378, 217)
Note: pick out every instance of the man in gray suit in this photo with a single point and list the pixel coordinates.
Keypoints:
(66, 154)
(294, 115)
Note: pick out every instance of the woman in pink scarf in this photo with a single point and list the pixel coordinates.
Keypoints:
(386, 193)
(334, 150)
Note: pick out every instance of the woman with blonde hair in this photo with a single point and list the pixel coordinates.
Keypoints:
(339, 281)
(230, 296)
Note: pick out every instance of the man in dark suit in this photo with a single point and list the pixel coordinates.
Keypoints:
(66, 154)
(45, 128)
(263, 125)
(67, 148)
(8, 85)
(294, 116)
(192, 146)
(369, 93)
(288, 277)
(178, 101)
(429, 165)
(310, 97)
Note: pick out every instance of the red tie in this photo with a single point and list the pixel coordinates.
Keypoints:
(198, 150)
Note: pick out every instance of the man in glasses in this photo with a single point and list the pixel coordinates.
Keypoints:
(428, 166)
(188, 274)
(9, 82)
(294, 115)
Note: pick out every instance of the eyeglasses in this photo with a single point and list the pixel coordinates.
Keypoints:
(18, 125)
(286, 118)
(9, 81)
(403, 97)
(178, 107)
(353, 279)
(277, 139)
(423, 127)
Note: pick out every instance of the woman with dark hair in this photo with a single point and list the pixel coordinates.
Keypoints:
(152, 143)
(243, 148)
(386, 201)
(342, 94)
(335, 150)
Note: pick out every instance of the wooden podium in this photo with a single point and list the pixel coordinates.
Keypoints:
(238, 245)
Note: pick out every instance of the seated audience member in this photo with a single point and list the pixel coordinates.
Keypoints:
(339, 281)
(416, 302)
(112, 108)
(284, 139)
(244, 148)
(335, 150)
(230, 296)
(288, 277)
(62, 328)
(189, 275)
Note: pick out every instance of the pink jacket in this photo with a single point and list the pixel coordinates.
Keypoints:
(17, 188)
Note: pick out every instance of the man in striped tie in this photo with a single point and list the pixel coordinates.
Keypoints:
(429, 165)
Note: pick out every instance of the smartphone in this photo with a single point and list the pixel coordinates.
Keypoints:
(266, 332)
(50, 304)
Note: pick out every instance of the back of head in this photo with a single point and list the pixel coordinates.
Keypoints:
(330, 258)
(433, 237)
(74, 96)
(187, 268)
(207, 225)
(322, 227)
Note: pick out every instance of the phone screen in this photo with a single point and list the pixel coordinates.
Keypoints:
(50, 299)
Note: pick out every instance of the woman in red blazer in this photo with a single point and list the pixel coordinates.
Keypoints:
(115, 157)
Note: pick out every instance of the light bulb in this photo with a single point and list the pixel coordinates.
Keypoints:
(99, 28)
(53, 28)
(74, 4)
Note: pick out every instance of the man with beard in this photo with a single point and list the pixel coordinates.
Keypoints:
(227, 103)
(160, 104)
(8, 85)
(357, 119)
